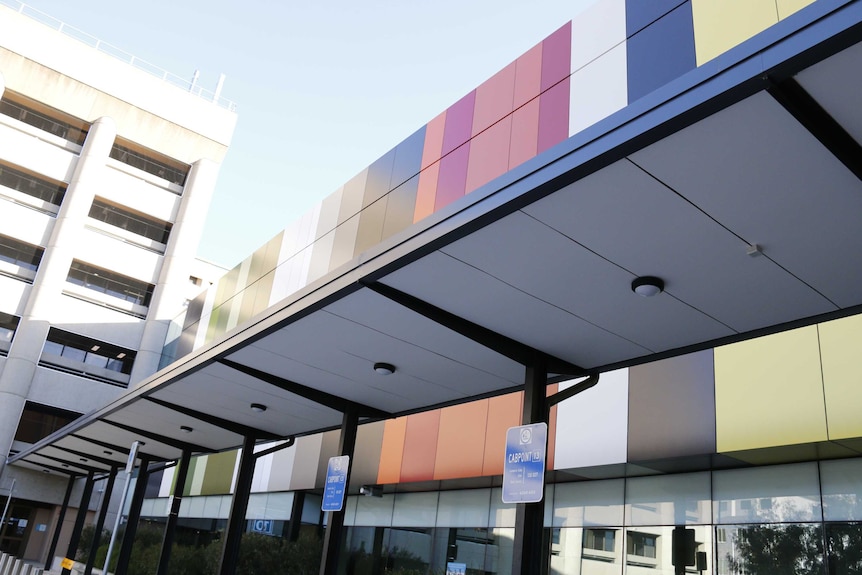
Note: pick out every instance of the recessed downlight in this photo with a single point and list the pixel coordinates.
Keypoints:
(384, 368)
(186, 429)
(258, 407)
(648, 286)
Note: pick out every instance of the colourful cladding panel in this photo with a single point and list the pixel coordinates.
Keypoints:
(345, 241)
(351, 196)
(452, 181)
(554, 116)
(218, 475)
(459, 123)
(769, 392)
(432, 149)
(494, 99)
(661, 52)
(640, 14)
(392, 450)
(525, 134)
(379, 176)
(556, 57)
(552, 427)
(599, 28)
(461, 440)
(420, 446)
(672, 408)
(503, 412)
(719, 25)
(365, 464)
(528, 76)
(426, 194)
(400, 207)
(598, 89)
(788, 7)
(489, 154)
(408, 158)
(370, 231)
(840, 345)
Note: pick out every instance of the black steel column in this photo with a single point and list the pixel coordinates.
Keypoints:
(134, 515)
(236, 520)
(174, 514)
(295, 515)
(335, 519)
(530, 556)
(56, 537)
(100, 522)
(79, 520)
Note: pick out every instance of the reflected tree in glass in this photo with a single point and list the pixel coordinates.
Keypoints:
(792, 549)
(844, 543)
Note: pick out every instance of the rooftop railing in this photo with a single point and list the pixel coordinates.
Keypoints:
(188, 85)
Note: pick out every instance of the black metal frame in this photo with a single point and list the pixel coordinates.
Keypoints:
(86, 494)
(334, 534)
(100, 522)
(232, 426)
(134, 515)
(236, 519)
(174, 513)
(55, 538)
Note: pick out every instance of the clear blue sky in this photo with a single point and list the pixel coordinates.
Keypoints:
(322, 88)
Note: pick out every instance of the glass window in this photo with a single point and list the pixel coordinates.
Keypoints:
(669, 499)
(588, 503)
(641, 544)
(21, 254)
(44, 118)
(89, 352)
(794, 548)
(133, 222)
(844, 544)
(467, 508)
(599, 539)
(8, 326)
(39, 421)
(32, 185)
(415, 509)
(151, 162)
(589, 551)
(779, 493)
(842, 489)
(113, 284)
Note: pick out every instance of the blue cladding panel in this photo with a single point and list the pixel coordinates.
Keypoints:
(642, 13)
(661, 52)
(408, 158)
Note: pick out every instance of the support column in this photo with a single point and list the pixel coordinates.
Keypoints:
(79, 520)
(57, 528)
(18, 370)
(100, 522)
(134, 515)
(530, 556)
(174, 514)
(295, 515)
(236, 520)
(335, 520)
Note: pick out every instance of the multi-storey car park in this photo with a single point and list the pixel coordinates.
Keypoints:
(488, 272)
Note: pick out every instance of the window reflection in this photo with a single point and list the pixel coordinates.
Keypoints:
(765, 549)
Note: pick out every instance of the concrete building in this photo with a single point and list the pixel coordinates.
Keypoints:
(703, 153)
(106, 174)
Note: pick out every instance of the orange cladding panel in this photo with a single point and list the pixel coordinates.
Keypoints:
(489, 154)
(494, 99)
(528, 76)
(503, 412)
(552, 427)
(461, 440)
(525, 134)
(420, 446)
(433, 147)
(426, 196)
(392, 450)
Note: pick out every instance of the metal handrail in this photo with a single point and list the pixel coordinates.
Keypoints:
(119, 54)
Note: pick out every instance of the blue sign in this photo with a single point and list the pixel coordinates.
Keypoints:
(524, 470)
(262, 526)
(456, 568)
(336, 483)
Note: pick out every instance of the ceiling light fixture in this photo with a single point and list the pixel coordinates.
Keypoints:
(647, 286)
(106, 452)
(186, 429)
(384, 368)
(258, 407)
(83, 460)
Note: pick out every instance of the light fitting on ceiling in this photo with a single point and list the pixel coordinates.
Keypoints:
(258, 407)
(106, 452)
(186, 429)
(647, 286)
(384, 368)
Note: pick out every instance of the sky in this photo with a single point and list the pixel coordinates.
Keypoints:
(322, 89)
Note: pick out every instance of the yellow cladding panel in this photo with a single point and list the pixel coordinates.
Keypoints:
(719, 25)
(841, 343)
(788, 7)
(769, 392)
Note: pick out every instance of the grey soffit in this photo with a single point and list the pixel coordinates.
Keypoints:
(548, 263)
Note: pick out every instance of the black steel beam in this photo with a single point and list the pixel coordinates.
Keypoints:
(55, 538)
(236, 519)
(174, 513)
(72, 550)
(289, 441)
(100, 523)
(134, 516)
(531, 549)
(231, 426)
(504, 345)
(591, 381)
(321, 397)
(817, 120)
(335, 519)
(176, 443)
